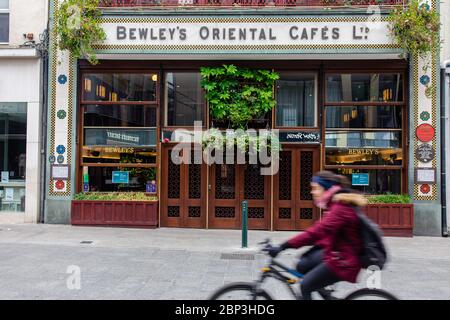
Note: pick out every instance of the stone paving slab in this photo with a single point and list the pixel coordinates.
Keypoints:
(182, 263)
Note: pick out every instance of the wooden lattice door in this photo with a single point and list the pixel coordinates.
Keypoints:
(293, 205)
(183, 193)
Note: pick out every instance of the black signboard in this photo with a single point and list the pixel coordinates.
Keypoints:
(425, 153)
(300, 136)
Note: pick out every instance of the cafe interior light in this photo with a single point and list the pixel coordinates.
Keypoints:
(154, 77)
(112, 96)
(100, 91)
(346, 117)
(87, 85)
(354, 113)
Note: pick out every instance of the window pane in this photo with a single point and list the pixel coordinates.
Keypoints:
(184, 99)
(13, 128)
(119, 87)
(119, 155)
(296, 100)
(380, 181)
(120, 137)
(4, 4)
(100, 179)
(13, 145)
(364, 87)
(361, 139)
(4, 27)
(364, 117)
(363, 156)
(119, 116)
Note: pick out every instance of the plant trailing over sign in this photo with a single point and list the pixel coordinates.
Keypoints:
(238, 94)
(78, 28)
(415, 28)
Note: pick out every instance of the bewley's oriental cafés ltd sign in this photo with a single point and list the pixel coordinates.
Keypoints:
(245, 33)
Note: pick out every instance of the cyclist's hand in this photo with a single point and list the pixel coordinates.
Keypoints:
(274, 251)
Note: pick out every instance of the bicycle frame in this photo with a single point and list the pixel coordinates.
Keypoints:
(275, 270)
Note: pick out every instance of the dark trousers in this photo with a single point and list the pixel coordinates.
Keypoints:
(317, 274)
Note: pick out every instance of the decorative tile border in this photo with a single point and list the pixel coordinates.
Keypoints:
(425, 111)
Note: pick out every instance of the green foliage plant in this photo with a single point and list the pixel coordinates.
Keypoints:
(115, 196)
(415, 27)
(78, 28)
(389, 198)
(238, 95)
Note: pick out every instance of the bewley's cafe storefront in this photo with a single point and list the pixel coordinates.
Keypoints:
(345, 102)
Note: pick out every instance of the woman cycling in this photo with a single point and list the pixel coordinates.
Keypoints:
(336, 239)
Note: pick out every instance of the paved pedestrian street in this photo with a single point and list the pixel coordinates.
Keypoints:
(65, 262)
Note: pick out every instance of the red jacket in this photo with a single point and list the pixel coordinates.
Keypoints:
(338, 234)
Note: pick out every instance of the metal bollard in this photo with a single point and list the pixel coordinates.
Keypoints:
(244, 223)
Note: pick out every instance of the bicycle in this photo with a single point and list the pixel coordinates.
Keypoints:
(276, 270)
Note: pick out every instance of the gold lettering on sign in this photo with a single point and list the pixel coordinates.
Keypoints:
(363, 151)
(119, 150)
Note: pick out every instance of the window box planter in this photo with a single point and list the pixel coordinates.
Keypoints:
(394, 219)
(120, 213)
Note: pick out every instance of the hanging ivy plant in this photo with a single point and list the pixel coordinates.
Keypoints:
(238, 95)
(78, 28)
(214, 139)
(416, 28)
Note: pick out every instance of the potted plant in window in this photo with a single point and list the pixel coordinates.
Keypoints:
(394, 213)
(134, 209)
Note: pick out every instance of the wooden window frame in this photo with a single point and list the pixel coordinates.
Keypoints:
(164, 105)
(404, 129)
(82, 103)
(316, 104)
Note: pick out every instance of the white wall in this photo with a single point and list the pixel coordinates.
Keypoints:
(20, 81)
(26, 16)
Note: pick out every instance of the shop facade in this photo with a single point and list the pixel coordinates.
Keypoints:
(22, 65)
(345, 102)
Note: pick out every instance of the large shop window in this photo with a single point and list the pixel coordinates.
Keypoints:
(184, 99)
(13, 133)
(363, 138)
(119, 131)
(4, 21)
(296, 100)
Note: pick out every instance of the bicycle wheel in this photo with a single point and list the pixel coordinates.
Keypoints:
(239, 291)
(370, 294)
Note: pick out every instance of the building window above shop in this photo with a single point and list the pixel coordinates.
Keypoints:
(119, 87)
(296, 100)
(184, 99)
(364, 87)
(4, 21)
(13, 142)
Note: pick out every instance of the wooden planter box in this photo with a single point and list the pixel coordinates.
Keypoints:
(142, 214)
(395, 220)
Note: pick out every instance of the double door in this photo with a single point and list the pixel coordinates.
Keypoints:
(282, 201)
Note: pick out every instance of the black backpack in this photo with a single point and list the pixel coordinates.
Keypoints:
(373, 251)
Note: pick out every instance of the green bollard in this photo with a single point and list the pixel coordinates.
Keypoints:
(244, 223)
